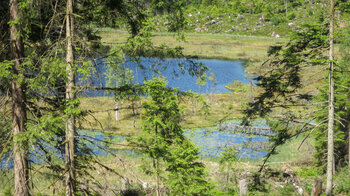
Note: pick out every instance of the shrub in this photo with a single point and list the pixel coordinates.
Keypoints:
(291, 16)
(276, 20)
(342, 179)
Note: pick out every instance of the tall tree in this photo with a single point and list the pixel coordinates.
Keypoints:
(330, 153)
(70, 96)
(18, 89)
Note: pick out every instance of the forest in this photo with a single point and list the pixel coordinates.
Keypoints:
(185, 97)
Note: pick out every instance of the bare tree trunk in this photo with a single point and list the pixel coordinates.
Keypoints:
(70, 95)
(18, 106)
(349, 145)
(116, 110)
(286, 5)
(317, 188)
(157, 178)
(330, 154)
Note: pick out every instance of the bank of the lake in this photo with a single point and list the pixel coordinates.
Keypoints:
(223, 106)
(252, 49)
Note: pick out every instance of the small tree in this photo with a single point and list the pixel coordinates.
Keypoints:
(163, 140)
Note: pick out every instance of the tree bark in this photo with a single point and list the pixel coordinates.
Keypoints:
(349, 144)
(19, 115)
(243, 187)
(317, 188)
(330, 154)
(70, 95)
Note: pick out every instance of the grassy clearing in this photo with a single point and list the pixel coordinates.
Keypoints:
(205, 45)
(102, 115)
(290, 154)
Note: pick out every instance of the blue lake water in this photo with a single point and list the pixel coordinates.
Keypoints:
(225, 71)
(211, 142)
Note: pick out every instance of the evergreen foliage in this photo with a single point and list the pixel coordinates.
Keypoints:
(342, 105)
(162, 139)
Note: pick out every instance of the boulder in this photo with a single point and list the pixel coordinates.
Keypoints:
(240, 17)
(212, 22)
(261, 18)
(198, 29)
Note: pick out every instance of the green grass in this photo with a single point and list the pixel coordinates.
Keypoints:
(224, 106)
(206, 45)
(290, 154)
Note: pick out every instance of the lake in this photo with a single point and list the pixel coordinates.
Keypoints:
(212, 142)
(225, 71)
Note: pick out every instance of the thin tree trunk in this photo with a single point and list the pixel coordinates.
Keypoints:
(157, 177)
(286, 5)
(116, 111)
(330, 154)
(18, 106)
(70, 95)
(349, 145)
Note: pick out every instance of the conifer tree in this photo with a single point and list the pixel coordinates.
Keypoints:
(163, 140)
(18, 93)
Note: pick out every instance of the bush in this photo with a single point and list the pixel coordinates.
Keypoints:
(276, 20)
(7, 191)
(287, 190)
(291, 16)
(342, 179)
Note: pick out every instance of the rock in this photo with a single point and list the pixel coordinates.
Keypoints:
(240, 17)
(212, 22)
(198, 29)
(261, 18)
(297, 28)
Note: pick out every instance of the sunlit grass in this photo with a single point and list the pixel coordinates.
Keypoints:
(205, 45)
(101, 116)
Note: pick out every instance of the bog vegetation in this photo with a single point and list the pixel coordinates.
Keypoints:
(66, 131)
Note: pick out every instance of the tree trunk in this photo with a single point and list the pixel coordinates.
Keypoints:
(330, 154)
(70, 95)
(19, 115)
(116, 110)
(243, 187)
(317, 188)
(349, 144)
